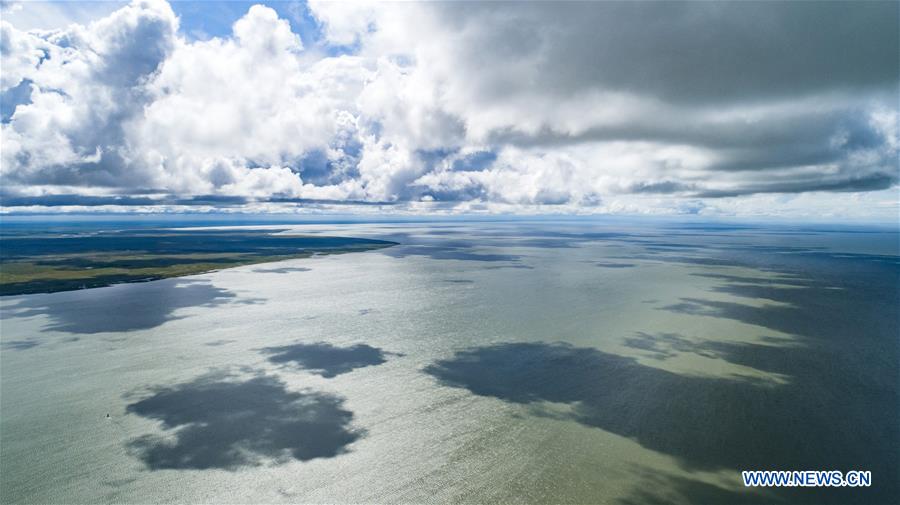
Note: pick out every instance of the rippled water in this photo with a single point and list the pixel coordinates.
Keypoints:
(579, 362)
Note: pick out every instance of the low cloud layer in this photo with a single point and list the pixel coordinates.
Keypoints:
(608, 106)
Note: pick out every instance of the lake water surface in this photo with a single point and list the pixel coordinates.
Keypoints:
(538, 362)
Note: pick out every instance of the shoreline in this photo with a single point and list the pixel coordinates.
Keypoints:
(43, 265)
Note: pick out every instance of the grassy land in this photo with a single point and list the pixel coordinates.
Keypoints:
(44, 263)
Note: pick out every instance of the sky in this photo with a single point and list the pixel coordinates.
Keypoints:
(749, 109)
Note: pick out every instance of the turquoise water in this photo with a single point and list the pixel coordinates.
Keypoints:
(573, 361)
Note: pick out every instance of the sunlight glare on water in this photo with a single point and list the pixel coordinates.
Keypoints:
(474, 362)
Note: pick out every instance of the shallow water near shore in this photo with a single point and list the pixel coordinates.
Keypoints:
(539, 362)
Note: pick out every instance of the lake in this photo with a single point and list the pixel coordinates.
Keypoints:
(571, 361)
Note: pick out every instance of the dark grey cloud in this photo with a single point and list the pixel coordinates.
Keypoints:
(872, 182)
(695, 52)
(767, 87)
(74, 199)
(661, 187)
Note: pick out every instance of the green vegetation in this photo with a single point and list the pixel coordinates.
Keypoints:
(45, 263)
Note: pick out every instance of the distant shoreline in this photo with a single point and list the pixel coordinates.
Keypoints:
(49, 263)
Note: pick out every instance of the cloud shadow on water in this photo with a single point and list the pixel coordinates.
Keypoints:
(663, 346)
(325, 359)
(660, 488)
(121, 308)
(447, 252)
(219, 343)
(281, 270)
(705, 423)
(18, 345)
(516, 266)
(221, 422)
(603, 389)
(833, 341)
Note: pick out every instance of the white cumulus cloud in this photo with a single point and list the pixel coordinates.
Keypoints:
(682, 107)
